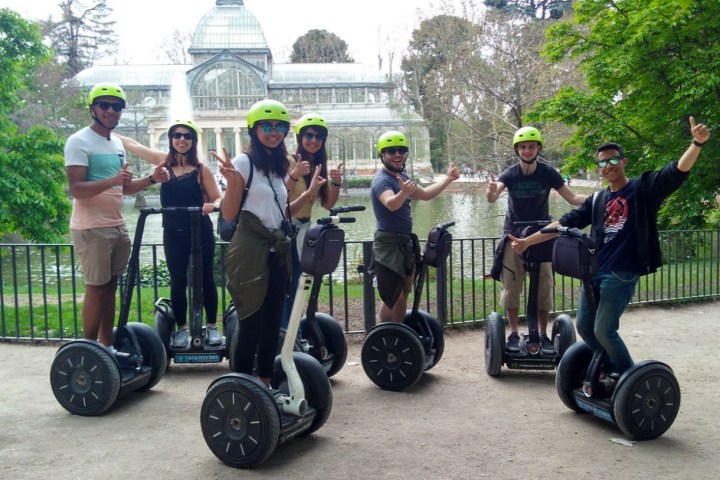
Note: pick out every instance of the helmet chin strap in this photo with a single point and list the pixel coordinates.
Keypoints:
(109, 129)
(528, 162)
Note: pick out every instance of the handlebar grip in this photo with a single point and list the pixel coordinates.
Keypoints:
(346, 220)
(445, 226)
(346, 209)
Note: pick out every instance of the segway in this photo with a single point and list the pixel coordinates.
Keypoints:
(198, 350)
(242, 420)
(645, 400)
(87, 377)
(529, 356)
(395, 355)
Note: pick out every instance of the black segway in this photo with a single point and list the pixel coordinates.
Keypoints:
(87, 377)
(395, 355)
(198, 350)
(529, 356)
(645, 400)
(243, 421)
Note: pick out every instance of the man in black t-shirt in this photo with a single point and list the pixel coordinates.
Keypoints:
(528, 183)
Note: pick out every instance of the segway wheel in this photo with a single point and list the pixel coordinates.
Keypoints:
(571, 373)
(240, 421)
(647, 401)
(231, 340)
(335, 341)
(437, 348)
(318, 391)
(392, 356)
(153, 353)
(163, 321)
(494, 344)
(85, 378)
(563, 334)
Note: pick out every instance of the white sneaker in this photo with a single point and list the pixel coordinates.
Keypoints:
(181, 339)
(213, 336)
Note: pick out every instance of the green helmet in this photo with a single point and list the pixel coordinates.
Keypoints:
(310, 120)
(267, 110)
(185, 123)
(527, 134)
(392, 138)
(106, 89)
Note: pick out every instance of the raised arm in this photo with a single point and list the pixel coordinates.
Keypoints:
(574, 199)
(494, 189)
(700, 135)
(436, 188)
(156, 157)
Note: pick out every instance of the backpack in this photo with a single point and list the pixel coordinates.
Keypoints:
(225, 228)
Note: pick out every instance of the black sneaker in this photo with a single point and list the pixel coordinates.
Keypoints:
(513, 342)
(546, 346)
(609, 381)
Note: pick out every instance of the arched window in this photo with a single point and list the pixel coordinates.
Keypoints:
(227, 86)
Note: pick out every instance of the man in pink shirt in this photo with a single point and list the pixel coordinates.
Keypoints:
(98, 177)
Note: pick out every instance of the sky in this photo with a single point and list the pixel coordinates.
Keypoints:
(370, 27)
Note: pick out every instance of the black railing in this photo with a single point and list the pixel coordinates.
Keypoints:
(41, 288)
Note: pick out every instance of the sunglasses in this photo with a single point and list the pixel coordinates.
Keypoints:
(117, 107)
(611, 161)
(186, 136)
(309, 136)
(394, 150)
(268, 127)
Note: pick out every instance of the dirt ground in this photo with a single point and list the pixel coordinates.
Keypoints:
(456, 423)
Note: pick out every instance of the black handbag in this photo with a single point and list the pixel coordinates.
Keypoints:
(225, 228)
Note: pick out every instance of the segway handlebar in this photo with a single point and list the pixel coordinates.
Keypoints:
(335, 219)
(445, 226)
(571, 232)
(152, 210)
(345, 209)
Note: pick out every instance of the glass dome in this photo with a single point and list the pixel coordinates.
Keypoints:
(228, 26)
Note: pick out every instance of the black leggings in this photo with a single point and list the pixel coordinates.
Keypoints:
(177, 254)
(260, 331)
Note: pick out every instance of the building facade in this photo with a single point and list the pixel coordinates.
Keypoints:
(232, 68)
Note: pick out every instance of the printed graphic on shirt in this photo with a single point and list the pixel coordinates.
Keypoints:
(528, 189)
(616, 216)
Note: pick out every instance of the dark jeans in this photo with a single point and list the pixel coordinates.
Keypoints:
(613, 292)
(176, 244)
(260, 331)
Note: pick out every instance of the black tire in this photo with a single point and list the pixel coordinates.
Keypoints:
(231, 340)
(392, 356)
(647, 401)
(438, 344)
(229, 325)
(494, 344)
(240, 421)
(164, 321)
(318, 391)
(335, 340)
(85, 378)
(153, 353)
(563, 334)
(571, 373)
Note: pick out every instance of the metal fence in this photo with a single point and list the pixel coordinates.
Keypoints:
(42, 288)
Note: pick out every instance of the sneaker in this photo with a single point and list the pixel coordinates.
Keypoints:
(609, 381)
(213, 336)
(546, 346)
(513, 342)
(182, 339)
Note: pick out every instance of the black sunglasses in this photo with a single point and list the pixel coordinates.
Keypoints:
(117, 107)
(268, 127)
(186, 136)
(611, 161)
(309, 136)
(394, 150)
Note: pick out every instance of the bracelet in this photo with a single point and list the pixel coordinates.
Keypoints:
(293, 178)
(152, 180)
(698, 144)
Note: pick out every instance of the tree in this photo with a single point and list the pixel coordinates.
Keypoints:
(83, 34)
(533, 8)
(32, 171)
(649, 65)
(320, 46)
(175, 48)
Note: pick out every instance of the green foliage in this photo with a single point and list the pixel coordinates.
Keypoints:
(149, 275)
(532, 8)
(32, 171)
(649, 66)
(320, 46)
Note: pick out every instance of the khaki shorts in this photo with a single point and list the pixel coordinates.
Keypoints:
(103, 252)
(513, 276)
